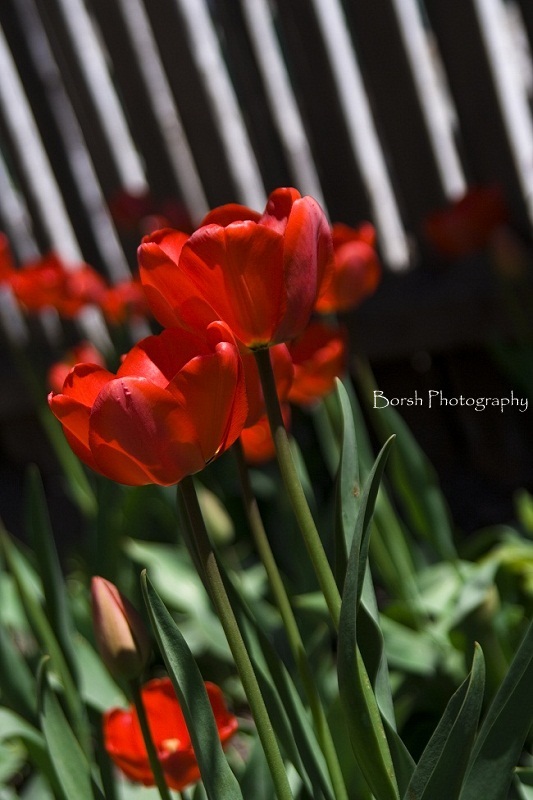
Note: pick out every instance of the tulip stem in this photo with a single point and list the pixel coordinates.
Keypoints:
(295, 490)
(213, 579)
(155, 764)
(291, 626)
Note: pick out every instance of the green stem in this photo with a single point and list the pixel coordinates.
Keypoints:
(291, 627)
(204, 553)
(294, 488)
(155, 764)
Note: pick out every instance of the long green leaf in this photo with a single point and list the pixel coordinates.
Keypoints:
(440, 772)
(219, 780)
(42, 628)
(504, 729)
(289, 718)
(70, 764)
(42, 539)
(363, 718)
(373, 652)
(348, 487)
(16, 680)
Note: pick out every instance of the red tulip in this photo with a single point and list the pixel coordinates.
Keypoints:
(84, 352)
(466, 225)
(283, 375)
(7, 268)
(177, 401)
(121, 635)
(357, 270)
(258, 273)
(47, 282)
(257, 442)
(141, 212)
(319, 356)
(124, 743)
(124, 300)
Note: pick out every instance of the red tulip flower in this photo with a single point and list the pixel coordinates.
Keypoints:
(7, 268)
(259, 273)
(357, 269)
(466, 225)
(84, 352)
(47, 282)
(177, 401)
(257, 442)
(123, 301)
(124, 742)
(319, 356)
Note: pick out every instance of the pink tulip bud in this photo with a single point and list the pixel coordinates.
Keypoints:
(121, 635)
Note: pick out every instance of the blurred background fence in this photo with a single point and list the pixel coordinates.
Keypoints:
(382, 109)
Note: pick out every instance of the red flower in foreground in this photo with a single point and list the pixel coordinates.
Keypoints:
(318, 356)
(466, 225)
(177, 401)
(357, 270)
(124, 743)
(258, 273)
(82, 352)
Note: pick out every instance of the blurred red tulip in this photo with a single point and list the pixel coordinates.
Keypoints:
(466, 225)
(177, 401)
(6, 261)
(123, 301)
(258, 273)
(283, 375)
(319, 356)
(357, 269)
(124, 742)
(141, 213)
(257, 442)
(84, 352)
(47, 282)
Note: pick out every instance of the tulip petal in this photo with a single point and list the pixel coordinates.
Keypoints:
(231, 212)
(213, 394)
(159, 358)
(139, 433)
(307, 256)
(172, 297)
(124, 743)
(73, 406)
(238, 270)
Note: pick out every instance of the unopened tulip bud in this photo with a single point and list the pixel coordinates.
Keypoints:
(121, 635)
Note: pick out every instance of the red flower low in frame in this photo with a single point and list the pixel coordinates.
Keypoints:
(177, 401)
(259, 273)
(124, 742)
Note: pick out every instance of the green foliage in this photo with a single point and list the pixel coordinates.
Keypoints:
(426, 686)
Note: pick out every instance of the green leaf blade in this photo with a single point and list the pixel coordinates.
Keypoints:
(218, 779)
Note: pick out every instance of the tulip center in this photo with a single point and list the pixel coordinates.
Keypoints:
(170, 745)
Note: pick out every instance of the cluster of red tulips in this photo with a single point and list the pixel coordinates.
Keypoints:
(242, 281)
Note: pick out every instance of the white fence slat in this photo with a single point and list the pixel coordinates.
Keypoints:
(205, 49)
(362, 132)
